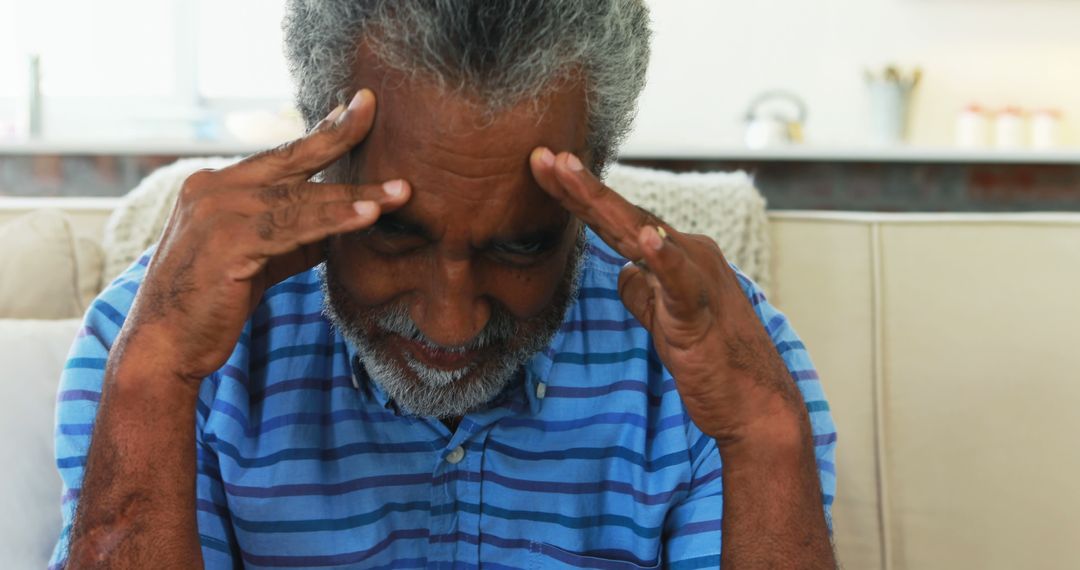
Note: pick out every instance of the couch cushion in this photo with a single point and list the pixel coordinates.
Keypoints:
(725, 206)
(823, 281)
(140, 217)
(981, 390)
(33, 354)
(947, 347)
(47, 271)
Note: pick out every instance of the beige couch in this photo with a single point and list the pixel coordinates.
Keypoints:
(947, 346)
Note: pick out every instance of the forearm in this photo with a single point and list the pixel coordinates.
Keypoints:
(137, 504)
(773, 513)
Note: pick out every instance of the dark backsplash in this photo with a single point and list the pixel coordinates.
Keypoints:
(787, 185)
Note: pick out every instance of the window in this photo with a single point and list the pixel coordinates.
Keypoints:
(241, 60)
(138, 68)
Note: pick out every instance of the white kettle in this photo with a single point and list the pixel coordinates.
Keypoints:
(775, 118)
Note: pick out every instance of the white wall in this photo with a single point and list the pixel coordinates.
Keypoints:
(122, 69)
(712, 56)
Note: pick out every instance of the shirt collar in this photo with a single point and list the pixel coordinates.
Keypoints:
(361, 380)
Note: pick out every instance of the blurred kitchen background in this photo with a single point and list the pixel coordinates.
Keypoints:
(888, 105)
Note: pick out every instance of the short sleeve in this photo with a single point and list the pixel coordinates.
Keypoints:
(805, 377)
(216, 535)
(76, 409)
(692, 529)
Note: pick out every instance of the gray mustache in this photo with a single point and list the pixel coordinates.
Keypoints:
(500, 328)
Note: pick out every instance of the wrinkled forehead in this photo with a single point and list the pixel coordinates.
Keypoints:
(416, 111)
(451, 147)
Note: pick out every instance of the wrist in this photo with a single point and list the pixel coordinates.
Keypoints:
(141, 357)
(777, 434)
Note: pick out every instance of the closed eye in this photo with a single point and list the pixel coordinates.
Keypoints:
(523, 252)
(391, 237)
(527, 247)
(390, 227)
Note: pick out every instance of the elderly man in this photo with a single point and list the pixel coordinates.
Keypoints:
(412, 338)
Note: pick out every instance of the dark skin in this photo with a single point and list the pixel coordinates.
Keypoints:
(488, 215)
(478, 229)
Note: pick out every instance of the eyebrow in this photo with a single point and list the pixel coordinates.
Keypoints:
(548, 235)
(405, 225)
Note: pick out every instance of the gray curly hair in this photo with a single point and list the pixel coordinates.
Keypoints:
(503, 52)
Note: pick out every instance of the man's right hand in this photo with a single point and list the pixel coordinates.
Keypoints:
(235, 232)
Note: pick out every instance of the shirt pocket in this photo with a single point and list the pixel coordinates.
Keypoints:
(543, 556)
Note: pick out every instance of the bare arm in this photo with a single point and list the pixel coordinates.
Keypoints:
(773, 512)
(233, 233)
(137, 504)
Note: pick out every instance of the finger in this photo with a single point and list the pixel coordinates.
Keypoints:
(542, 164)
(329, 119)
(303, 249)
(612, 217)
(304, 157)
(284, 231)
(679, 283)
(637, 293)
(324, 218)
(393, 192)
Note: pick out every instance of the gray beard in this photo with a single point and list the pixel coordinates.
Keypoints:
(503, 346)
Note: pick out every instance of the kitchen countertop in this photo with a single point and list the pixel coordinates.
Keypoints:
(798, 153)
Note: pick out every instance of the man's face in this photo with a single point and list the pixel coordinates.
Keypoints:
(446, 297)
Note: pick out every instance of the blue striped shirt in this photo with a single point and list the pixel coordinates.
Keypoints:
(588, 460)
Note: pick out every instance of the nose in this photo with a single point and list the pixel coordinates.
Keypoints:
(450, 311)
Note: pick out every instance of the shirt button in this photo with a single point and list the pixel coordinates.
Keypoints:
(541, 390)
(455, 456)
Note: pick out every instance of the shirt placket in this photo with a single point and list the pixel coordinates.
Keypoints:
(458, 476)
(455, 497)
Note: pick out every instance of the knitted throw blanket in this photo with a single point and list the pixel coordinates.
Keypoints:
(137, 222)
(723, 206)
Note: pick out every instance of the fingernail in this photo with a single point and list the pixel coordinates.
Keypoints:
(652, 239)
(660, 231)
(358, 99)
(547, 158)
(393, 188)
(335, 113)
(365, 209)
(574, 164)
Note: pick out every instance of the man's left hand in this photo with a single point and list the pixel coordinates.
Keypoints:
(734, 383)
